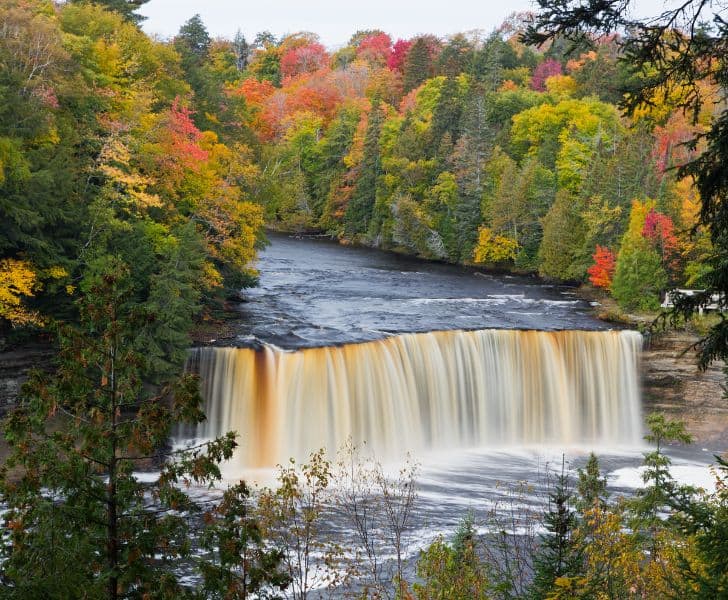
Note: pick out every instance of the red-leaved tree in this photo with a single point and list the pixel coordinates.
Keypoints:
(375, 49)
(255, 92)
(602, 271)
(304, 59)
(660, 231)
(183, 137)
(671, 147)
(542, 72)
(398, 55)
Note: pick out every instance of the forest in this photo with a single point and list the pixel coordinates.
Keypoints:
(137, 177)
(106, 161)
(477, 149)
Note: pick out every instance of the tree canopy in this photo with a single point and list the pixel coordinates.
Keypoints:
(676, 58)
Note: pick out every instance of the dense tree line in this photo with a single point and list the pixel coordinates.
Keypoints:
(125, 216)
(473, 149)
(674, 58)
(481, 149)
(114, 147)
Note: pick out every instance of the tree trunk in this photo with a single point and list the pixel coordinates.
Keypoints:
(112, 516)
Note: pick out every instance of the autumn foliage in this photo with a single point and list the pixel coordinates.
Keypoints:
(304, 59)
(494, 248)
(602, 271)
(136, 176)
(467, 149)
(672, 139)
(486, 151)
(182, 137)
(132, 149)
(375, 49)
(660, 231)
(542, 72)
(399, 54)
(18, 280)
(254, 91)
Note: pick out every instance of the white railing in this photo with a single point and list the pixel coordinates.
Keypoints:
(716, 301)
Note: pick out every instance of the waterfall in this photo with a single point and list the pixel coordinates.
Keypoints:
(413, 392)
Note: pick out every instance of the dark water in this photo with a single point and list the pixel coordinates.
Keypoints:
(315, 292)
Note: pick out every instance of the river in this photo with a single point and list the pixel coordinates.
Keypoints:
(315, 292)
(537, 347)
(488, 380)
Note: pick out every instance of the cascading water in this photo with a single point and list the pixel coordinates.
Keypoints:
(414, 392)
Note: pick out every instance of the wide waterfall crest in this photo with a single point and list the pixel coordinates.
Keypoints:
(413, 392)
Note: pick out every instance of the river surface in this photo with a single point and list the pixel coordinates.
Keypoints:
(315, 292)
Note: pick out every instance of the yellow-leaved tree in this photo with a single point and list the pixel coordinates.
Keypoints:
(17, 279)
(493, 247)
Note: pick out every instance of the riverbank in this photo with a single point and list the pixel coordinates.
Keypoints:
(673, 384)
(15, 363)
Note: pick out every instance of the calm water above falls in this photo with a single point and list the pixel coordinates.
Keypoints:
(317, 293)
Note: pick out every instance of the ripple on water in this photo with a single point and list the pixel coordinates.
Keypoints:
(334, 294)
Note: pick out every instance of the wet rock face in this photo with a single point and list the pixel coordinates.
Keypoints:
(14, 367)
(673, 384)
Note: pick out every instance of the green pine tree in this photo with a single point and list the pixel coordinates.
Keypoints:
(126, 8)
(660, 487)
(456, 56)
(81, 522)
(639, 276)
(418, 64)
(491, 59)
(558, 554)
(705, 519)
(193, 41)
(359, 211)
(242, 563)
(446, 116)
(563, 238)
(591, 489)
